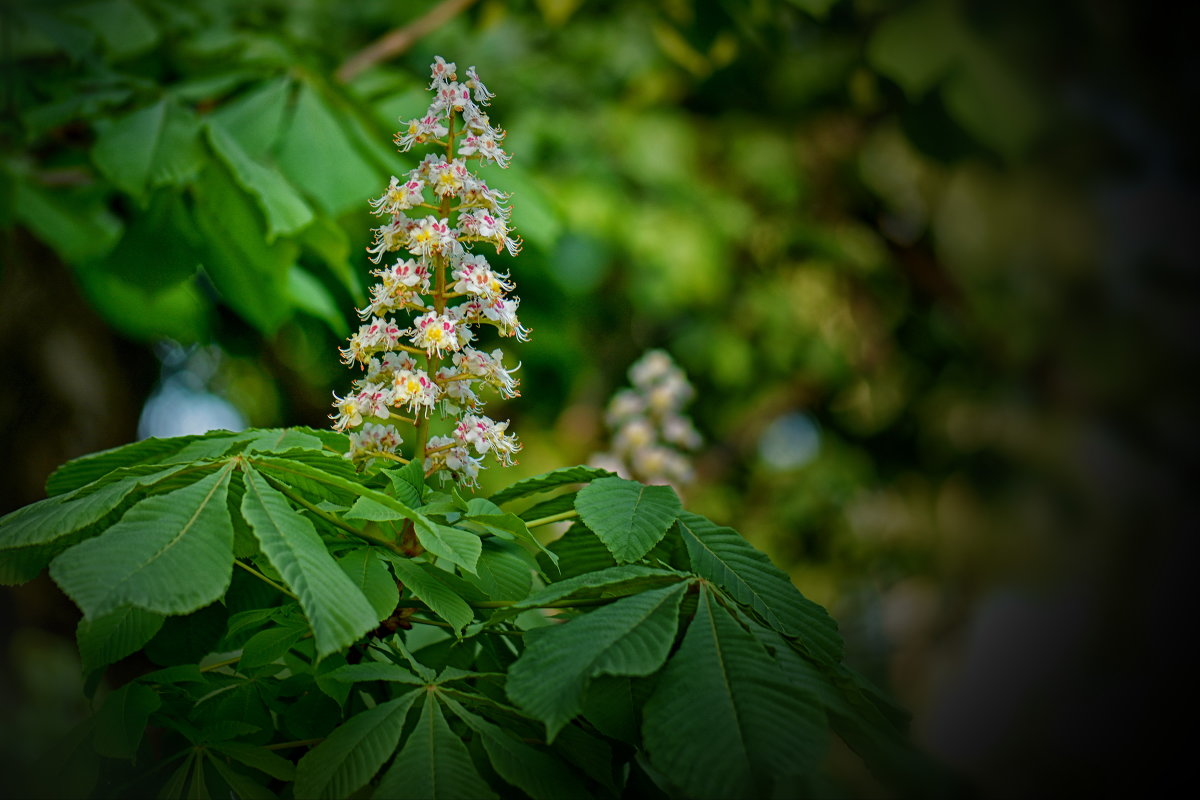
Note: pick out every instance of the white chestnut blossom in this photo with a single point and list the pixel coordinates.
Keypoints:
(432, 217)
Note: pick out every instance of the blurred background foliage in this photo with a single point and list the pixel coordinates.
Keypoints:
(926, 264)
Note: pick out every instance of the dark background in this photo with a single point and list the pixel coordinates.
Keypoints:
(950, 244)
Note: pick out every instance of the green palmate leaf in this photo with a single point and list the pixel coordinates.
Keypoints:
(123, 28)
(724, 721)
(426, 585)
(260, 758)
(580, 551)
(630, 637)
(177, 785)
(188, 638)
(243, 786)
(488, 516)
(243, 701)
(159, 251)
(324, 161)
(722, 556)
(255, 120)
(354, 752)
(81, 471)
(310, 295)
(329, 245)
(282, 440)
(533, 771)
(336, 609)
(433, 764)
(250, 272)
(31, 536)
(457, 546)
(318, 475)
(268, 646)
(110, 638)
(505, 570)
(408, 482)
(592, 754)
(540, 483)
(629, 517)
(552, 507)
(372, 578)
(77, 227)
(214, 444)
(122, 719)
(610, 706)
(376, 671)
(57, 517)
(617, 581)
(285, 210)
(181, 311)
(170, 553)
(242, 624)
(157, 145)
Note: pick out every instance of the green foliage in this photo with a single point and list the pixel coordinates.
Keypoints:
(350, 657)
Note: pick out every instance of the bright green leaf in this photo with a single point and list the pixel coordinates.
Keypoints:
(336, 609)
(156, 145)
(424, 584)
(170, 553)
(285, 210)
(84, 470)
(321, 159)
(255, 120)
(505, 570)
(549, 480)
(310, 295)
(250, 272)
(372, 578)
(77, 228)
(123, 28)
(268, 646)
(628, 516)
(457, 546)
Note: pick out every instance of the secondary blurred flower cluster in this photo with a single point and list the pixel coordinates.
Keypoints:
(650, 434)
(434, 215)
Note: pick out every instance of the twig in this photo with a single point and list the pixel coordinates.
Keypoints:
(396, 42)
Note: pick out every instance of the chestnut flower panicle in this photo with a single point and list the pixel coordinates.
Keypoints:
(416, 346)
(650, 434)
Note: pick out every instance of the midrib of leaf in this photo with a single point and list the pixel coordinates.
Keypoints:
(766, 607)
(738, 727)
(431, 735)
(183, 532)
